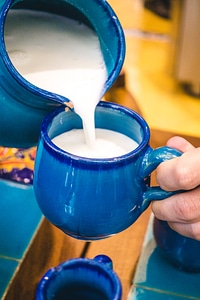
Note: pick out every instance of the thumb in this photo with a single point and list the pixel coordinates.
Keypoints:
(180, 144)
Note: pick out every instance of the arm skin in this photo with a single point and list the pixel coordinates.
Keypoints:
(181, 211)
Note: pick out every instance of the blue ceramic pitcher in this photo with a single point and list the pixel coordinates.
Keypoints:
(23, 105)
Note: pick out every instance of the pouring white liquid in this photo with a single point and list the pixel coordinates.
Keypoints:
(59, 55)
(62, 56)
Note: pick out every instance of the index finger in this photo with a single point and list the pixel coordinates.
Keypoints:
(180, 208)
(181, 173)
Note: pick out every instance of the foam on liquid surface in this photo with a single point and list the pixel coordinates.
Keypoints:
(108, 143)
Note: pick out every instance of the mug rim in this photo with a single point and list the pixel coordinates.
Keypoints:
(51, 95)
(83, 263)
(81, 159)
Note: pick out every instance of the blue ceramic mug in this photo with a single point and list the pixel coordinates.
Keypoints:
(180, 251)
(81, 278)
(92, 199)
(24, 105)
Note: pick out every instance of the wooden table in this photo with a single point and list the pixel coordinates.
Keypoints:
(51, 246)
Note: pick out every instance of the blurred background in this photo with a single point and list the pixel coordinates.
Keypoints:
(162, 65)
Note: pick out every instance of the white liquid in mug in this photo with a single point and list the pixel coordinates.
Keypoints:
(108, 143)
(59, 55)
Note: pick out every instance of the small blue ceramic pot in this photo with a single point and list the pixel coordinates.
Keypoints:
(81, 278)
(181, 251)
(94, 198)
(23, 105)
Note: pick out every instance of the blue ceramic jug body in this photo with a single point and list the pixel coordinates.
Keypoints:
(23, 105)
(95, 198)
(81, 278)
(181, 251)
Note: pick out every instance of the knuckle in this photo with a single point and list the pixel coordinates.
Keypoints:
(186, 208)
(183, 177)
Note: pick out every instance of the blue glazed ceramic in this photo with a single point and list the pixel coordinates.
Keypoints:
(81, 278)
(95, 198)
(181, 251)
(23, 105)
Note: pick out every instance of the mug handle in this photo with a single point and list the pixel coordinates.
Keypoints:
(151, 159)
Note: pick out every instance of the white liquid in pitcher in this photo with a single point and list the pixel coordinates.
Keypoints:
(59, 55)
(108, 143)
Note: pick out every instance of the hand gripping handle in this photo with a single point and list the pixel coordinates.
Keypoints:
(151, 160)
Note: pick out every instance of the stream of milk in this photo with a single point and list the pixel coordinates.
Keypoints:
(59, 55)
(63, 56)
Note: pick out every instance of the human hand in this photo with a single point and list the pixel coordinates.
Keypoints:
(182, 210)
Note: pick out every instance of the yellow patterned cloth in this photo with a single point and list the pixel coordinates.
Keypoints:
(17, 164)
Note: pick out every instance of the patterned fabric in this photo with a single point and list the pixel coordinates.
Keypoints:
(17, 164)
